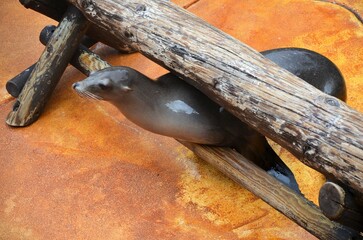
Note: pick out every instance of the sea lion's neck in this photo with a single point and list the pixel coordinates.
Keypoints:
(141, 105)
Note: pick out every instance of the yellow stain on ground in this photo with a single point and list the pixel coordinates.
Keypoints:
(224, 203)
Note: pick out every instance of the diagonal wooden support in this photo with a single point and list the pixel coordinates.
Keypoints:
(48, 69)
(323, 132)
(15, 85)
(292, 205)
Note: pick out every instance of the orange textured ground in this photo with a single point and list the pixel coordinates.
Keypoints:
(84, 172)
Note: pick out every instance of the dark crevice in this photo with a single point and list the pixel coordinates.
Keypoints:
(348, 8)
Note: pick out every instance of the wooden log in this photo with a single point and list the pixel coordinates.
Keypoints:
(52, 9)
(49, 69)
(321, 131)
(78, 57)
(56, 9)
(292, 205)
(339, 204)
(245, 173)
(15, 85)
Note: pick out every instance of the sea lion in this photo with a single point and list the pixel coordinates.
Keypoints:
(172, 107)
(312, 67)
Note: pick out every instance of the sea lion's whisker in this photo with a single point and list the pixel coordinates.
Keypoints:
(81, 93)
(94, 96)
(88, 95)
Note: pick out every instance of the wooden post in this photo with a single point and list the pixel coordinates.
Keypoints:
(49, 69)
(323, 132)
(15, 85)
(339, 205)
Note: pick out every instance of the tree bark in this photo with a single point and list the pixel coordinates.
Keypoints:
(323, 132)
(15, 85)
(49, 69)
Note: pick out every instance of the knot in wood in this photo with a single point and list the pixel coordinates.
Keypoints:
(89, 7)
(332, 102)
(310, 149)
(179, 50)
(128, 34)
(16, 105)
(140, 8)
(217, 84)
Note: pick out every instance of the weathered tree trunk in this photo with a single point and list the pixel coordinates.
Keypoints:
(320, 130)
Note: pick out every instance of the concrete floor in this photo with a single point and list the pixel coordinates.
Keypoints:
(82, 171)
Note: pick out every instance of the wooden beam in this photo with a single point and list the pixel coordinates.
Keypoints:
(294, 206)
(323, 132)
(49, 69)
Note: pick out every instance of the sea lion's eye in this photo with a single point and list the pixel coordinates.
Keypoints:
(103, 86)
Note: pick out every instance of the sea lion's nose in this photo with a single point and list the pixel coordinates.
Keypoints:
(75, 85)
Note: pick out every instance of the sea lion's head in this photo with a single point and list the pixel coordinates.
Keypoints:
(106, 84)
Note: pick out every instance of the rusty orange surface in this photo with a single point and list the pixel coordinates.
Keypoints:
(82, 171)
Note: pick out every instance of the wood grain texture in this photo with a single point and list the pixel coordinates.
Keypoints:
(320, 130)
(48, 69)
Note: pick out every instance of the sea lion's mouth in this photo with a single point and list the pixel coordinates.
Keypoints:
(87, 94)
